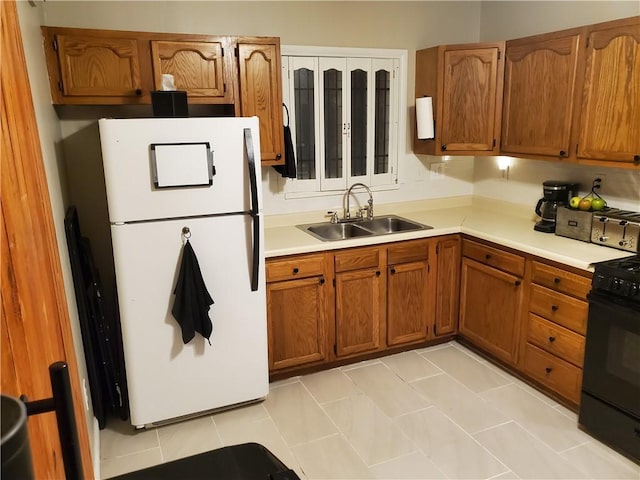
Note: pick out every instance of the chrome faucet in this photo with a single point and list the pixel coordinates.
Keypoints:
(369, 208)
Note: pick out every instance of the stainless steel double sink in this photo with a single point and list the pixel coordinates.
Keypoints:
(345, 230)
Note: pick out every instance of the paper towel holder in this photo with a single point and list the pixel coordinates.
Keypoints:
(424, 118)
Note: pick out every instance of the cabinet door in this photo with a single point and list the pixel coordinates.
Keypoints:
(359, 306)
(447, 286)
(472, 87)
(197, 67)
(538, 105)
(490, 301)
(610, 126)
(261, 95)
(296, 322)
(94, 66)
(407, 303)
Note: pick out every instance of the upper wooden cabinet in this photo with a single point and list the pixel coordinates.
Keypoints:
(572, 95)
(465, 82)
(110, 67)
(610, 119)
(89, 68)
(261, 93)
(539, 94)
(199, 68)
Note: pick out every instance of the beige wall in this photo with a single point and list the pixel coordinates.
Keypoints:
(507, 20)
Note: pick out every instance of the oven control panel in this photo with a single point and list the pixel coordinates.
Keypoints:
(619, 286)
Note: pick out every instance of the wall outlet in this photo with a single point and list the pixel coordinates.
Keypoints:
(603, 181)
(436, 170)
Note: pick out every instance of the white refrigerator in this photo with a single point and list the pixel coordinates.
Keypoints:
(169, 180)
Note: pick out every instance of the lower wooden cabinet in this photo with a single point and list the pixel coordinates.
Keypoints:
(296, 312)
(344, 304)
(562, 377)
(409, 304)
(553, 341)
(359, 290)
(447, 285)
(490, 301)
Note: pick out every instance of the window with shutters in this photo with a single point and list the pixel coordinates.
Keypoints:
(344, 117)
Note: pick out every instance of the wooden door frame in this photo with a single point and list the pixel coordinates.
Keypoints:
(35, 325)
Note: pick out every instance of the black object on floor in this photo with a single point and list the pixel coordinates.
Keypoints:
(248, 461)
(100, 335)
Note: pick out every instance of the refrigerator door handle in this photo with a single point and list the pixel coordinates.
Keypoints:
(248, 143)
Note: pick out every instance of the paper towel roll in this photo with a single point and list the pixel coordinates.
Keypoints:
(424, 117)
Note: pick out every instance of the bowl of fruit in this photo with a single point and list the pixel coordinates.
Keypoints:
(591, 202)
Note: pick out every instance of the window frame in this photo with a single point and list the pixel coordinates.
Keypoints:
(319, 186)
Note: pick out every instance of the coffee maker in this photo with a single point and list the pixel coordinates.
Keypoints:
(555, 194)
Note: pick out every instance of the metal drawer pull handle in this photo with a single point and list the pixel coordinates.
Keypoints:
(552, 339)
(517, 283)
(295, 270)
(548, 369)
(556, 280)
(554, 307)
(393, 270)
(487, 257)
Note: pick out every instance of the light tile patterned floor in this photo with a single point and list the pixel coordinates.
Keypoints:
(440, 412)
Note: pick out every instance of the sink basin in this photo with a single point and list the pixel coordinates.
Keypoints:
(362, 228)
(337, 231)
(391, 224)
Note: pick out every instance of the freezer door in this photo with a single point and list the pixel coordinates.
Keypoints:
(166, 378)
(157, 168)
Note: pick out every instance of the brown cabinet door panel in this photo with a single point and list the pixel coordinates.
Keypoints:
(540, 78)
(447, 286)
(296, 322)
(359, 304)
(469, 99)
(261, 95)
(407, 303)
(490, 308)
(94, 66)
(610, 127)
(554, 373)
(197, 67)
(555, 339)
(561, 309)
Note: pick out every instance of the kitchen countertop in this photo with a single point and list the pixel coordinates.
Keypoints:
(510, 225)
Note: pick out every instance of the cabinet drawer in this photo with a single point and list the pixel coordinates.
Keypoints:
(295, 267)
(560, 280)
(506, 261)
(406, 252)
(556, 339)
(357, 259)
(558, 375)
(562, 309)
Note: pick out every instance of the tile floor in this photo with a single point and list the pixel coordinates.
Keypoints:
(439, 412)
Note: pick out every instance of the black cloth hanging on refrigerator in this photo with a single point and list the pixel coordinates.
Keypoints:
(192, 302)
(288, 170)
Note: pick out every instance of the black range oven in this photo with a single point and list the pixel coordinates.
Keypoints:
(610, 402)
